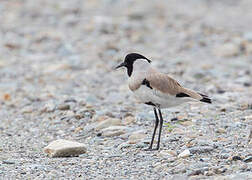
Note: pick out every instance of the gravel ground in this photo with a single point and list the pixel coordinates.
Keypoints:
(57, 82)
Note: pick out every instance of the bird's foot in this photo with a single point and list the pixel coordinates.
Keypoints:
(151, 149)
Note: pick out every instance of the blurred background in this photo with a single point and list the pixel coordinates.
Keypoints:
(62, 53)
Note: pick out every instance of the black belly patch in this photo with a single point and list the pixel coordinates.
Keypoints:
(150, 103)
(146, 83)
(182, 95)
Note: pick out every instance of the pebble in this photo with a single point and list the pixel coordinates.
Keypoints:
(178, 131)
(174, 119)
(124, 145)
(227, 50)
(64, 148)
(101, 118)
(107, 123)
(8, 162)
(136, 137)
(49, 107)
(247, 36)
(224, 155)
(221, 130)
(202, 149)
(235, 158)
(184, 154)
(249, 141)
(186, 123)
(248, 47)
(78, 129)
(72, 100)
(248, 118)
(235, 176)
(198, 172)
(140, 145)
(113, 131)
(167, 153)
(129, 120)
(64, 107)
(219, 170)
(27, 109)
(248, 159)
(176, 177)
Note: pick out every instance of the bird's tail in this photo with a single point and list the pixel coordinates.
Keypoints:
(205, 98)
(198, 96)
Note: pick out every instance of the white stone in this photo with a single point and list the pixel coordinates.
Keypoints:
(113, 131)
(248, 36)
(136, 137)
(124, 145)
(64, 148)
(108, 122)
(114, 128)
(27, 109)
(129, 120)
(185, 153)
(221, 130)
(101, 118)
(227, 50)
(55, 67)
(167, 153)
(248, 118)
(49, 107)
(178, 131)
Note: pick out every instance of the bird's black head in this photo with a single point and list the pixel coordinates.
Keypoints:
(129, 61)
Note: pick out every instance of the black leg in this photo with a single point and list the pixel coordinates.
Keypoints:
(155, 128)
(160, 128)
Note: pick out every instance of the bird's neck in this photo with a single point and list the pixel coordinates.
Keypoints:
(140, 67)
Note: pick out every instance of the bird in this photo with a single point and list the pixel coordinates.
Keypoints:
(156, 89)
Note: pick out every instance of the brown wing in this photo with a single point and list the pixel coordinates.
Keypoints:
(164, 83)
(167, 85)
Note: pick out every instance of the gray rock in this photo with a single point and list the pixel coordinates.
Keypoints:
(124, 145)
(176, 177)
(225, 155)
(248, 159)
(236, 158)
(8, 162)
(185, 153)
(227, 50)
(197, 172)
(219, 170)
(64, 107)
(91, 99)
(248, 36)
(236, 176)
(107, 123)
(140, 145)
(113, 131)
(49, 107)
(136, 137)
(203, 149)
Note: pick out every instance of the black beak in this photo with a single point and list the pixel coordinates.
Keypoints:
(121, 65)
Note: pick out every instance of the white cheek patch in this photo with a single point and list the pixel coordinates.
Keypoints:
(141, 65)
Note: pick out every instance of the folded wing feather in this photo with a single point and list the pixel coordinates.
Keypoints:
(169, 86)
